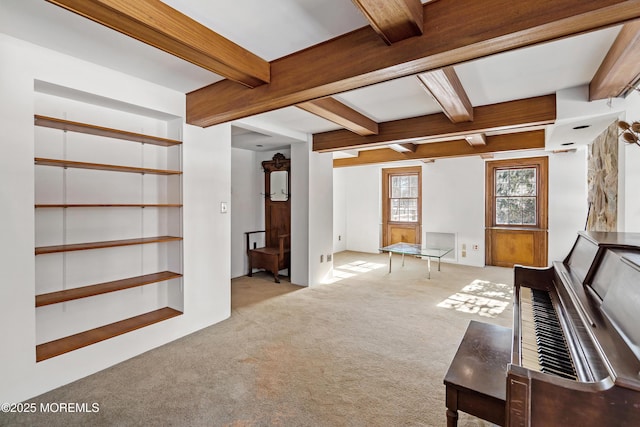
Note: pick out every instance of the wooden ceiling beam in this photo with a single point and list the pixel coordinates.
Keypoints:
(540, 110)
(621, 67)
(456, 148)
(403, 148)
(157, 24)
(339, 113)
(393, 20)
(359, 58)
(446, 88)
(476, 139)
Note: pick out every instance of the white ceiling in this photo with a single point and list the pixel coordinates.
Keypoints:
(275, 28)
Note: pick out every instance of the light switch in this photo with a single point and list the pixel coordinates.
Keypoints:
(223, 207)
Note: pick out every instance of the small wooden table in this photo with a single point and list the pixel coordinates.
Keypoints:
(476, 382)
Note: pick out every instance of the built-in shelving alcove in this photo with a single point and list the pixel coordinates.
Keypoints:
(108, 220)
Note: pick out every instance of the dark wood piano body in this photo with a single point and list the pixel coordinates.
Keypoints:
(596, 293)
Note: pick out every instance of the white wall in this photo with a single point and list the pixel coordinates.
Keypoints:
(567, 201)
(339, 209)
(244, 207)
(206, 182)
(363, 209)
(453, 202)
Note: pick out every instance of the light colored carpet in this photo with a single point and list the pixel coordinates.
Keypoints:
(370, 349)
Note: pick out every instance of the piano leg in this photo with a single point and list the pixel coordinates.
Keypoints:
(452, 418)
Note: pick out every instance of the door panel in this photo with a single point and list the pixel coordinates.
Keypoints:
(407, 233)
(506, 247)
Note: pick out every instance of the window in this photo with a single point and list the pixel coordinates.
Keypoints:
(403, 198)
(516, 193)
(516, 216)
(401, 205)
(516, 196)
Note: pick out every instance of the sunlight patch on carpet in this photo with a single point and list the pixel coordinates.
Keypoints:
(354, 268)
(480, 297)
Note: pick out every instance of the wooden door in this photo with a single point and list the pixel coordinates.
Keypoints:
(516, 212)
(401, 205)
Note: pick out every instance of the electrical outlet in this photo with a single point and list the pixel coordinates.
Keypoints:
(329, 257)
(475, 247)
(339, 237)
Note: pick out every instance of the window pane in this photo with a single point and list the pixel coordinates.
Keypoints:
(529, 210)
(395, 186)
(516, 210)
(404, 210)
(502, 182)
(394, 209)
(404, 186)
(515, 182)
(413, 186)
(502, 211)
(522, 182)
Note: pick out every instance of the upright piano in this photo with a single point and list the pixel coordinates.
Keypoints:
(575, 357)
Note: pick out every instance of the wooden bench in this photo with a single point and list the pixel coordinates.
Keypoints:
(476, 382)
(272, 259)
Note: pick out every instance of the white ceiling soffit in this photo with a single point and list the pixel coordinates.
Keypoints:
(580, 121)
(247, 139)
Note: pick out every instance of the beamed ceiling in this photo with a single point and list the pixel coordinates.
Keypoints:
(375, 80)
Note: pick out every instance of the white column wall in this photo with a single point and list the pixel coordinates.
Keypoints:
(339, 209)
(206, 182)
(320, 217)
(300, 214)
(311, 215)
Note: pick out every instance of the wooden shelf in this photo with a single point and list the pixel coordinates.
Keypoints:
(99, 245)
(103, 288)
(100, 166)
(112, 205)
(51, 122)
(83, 339)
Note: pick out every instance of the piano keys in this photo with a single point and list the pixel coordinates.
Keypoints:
(544, 348)
(575, 357)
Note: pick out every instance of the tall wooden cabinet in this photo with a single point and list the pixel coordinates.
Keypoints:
(275, 255)
(108, 225)
(277, 203)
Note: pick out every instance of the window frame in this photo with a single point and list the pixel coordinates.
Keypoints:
(387, 174)
(540, 164)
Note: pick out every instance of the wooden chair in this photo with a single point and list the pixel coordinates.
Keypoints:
(270, 258)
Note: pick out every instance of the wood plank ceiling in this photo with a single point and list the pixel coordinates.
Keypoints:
(405, 37)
